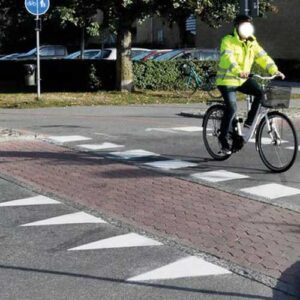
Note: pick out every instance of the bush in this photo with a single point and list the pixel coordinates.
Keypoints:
(163, 75)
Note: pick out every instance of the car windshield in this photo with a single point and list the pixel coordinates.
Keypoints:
(31, 52)
(206, 55)
(138, 52)
(167, 56)
(105, 53)
(140, 55)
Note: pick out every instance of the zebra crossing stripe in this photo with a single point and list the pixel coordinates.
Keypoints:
(218, 176)
(171, 164)
(130, 154)
(102, 146)
(191, 266)
(271, 191)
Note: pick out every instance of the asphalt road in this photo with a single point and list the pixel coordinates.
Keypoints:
(38, 258)
(36, 261)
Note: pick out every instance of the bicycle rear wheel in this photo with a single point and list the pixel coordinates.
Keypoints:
(277, 142)
(211, 131)
(186, 86)
(212, 89)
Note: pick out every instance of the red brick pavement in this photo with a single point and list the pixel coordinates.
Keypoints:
(258, 236)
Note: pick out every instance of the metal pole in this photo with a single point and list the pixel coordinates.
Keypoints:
(244, 7)
(38, 57)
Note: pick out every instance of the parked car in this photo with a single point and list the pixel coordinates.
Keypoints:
(144, 56)
(111, 53)
(87, 54)
(46, 52)
(168, 55)
(11, 56)
(196, 54)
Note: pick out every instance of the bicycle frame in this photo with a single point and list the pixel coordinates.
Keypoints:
(195, 75)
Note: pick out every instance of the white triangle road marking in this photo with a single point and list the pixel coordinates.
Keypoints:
(120, 241)
(73, 218)
(191, 266)
(37, 200)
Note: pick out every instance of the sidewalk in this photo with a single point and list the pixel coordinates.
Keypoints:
(253, 235)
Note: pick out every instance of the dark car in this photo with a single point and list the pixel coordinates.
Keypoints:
(46, 52)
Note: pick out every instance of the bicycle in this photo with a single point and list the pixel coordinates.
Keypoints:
(189, 81)
(275, 135)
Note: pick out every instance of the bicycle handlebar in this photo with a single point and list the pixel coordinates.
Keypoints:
(263, 77)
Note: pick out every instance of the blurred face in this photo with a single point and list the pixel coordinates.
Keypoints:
(245, 30)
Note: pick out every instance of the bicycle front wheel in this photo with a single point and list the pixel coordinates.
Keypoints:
(277, 142)
(211, 131)
(186, 86)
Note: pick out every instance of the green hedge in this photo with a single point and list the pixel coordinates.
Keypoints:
(162, 75)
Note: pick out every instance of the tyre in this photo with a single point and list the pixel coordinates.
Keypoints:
(277, 148)
(212, 89)
(211, 131)
(186, 86)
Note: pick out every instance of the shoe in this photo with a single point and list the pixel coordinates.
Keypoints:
(225, 148)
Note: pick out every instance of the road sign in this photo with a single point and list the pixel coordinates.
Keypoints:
(190, 24)
(37, 7)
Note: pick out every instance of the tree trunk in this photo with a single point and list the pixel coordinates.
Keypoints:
(124, 63)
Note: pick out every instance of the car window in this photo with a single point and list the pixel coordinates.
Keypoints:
(59, 51)
(105, 53)
(90, 54)
(47, 51)
(167, 55)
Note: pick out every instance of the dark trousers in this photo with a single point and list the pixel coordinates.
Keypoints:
(250, 87)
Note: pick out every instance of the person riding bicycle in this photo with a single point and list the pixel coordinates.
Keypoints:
(239, 51)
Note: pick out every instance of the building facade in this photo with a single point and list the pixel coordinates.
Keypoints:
(278, 33)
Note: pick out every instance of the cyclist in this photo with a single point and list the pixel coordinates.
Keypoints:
(239, 51)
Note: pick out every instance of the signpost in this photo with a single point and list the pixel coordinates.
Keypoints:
(37, 8)
(249, 7)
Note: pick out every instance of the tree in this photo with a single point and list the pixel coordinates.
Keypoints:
(80, 14)
(123, 14)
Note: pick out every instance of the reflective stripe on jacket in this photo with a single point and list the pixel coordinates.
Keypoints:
(238, 56)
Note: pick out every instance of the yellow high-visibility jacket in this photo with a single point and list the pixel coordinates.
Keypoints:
(238, 56)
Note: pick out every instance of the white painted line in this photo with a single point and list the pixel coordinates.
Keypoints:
(138, 153)
(266, 141)
(292, 148)
(171, 164)
(121, 241)
(37, 200)
(68, 138)
(73, 218)
(187, 267)
(189, 129)
(102, 146)
(168, 130)
(271, 191)
(218, 176)
(176, 129)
